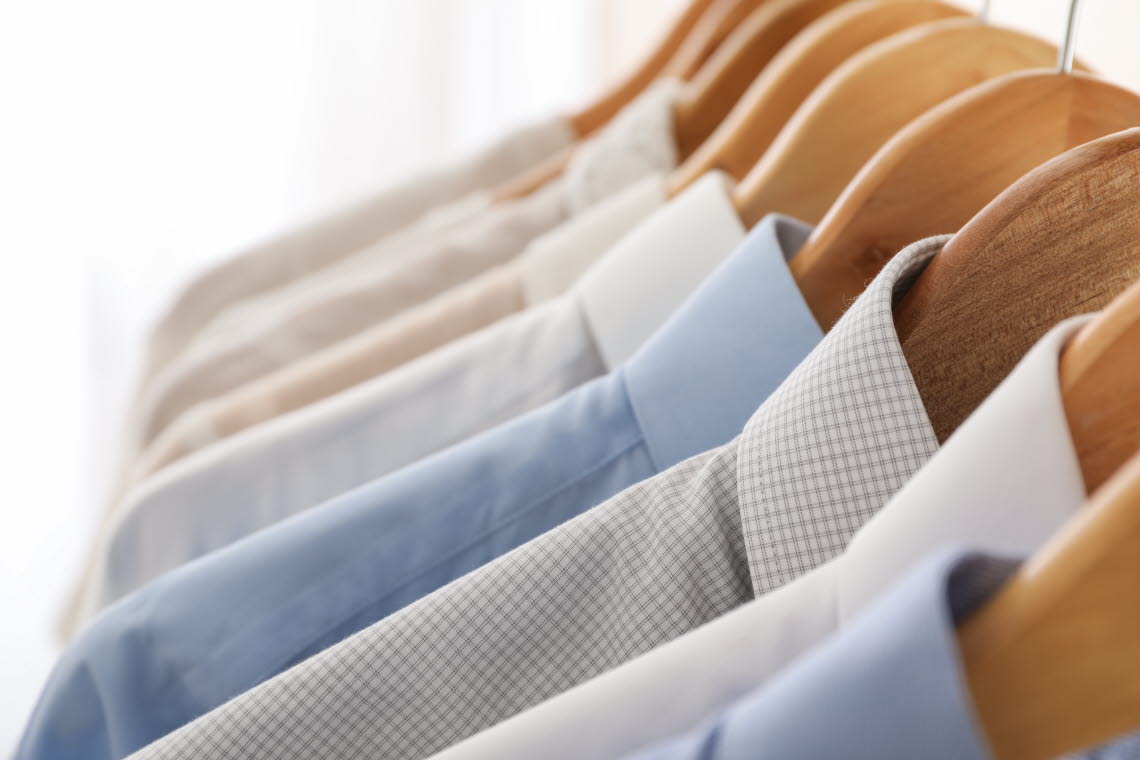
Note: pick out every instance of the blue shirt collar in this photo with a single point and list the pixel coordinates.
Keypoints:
(890, 685)
(730, 345)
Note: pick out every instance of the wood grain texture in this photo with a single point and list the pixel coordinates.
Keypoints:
(716, 88)
(869, 98)
(1100, 381)
(747, 131)
(1061, 241)
(1053, 661)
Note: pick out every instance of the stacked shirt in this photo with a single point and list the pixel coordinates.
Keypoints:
(299, 460)
(571, 475)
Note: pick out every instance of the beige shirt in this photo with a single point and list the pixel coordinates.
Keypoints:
(296, 461)
(257, 341)
(549, 266)
(283, 259)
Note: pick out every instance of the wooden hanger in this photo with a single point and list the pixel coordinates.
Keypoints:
(1053, 661)
(689, 43)
(1061, 241)
(590, 118)
(1100, 381)
(715, 26)
(860, 105)
(719, 83)
(746, 132)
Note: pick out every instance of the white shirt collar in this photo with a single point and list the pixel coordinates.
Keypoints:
(634, 287)
(1005, 481)
(553, 262)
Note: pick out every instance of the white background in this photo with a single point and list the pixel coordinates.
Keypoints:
(142, 139)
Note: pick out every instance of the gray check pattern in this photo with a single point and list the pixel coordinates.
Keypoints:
(838, 438)
(650, 564)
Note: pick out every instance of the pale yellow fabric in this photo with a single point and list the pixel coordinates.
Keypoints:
(294, 255)
(445, 318)
(364, 291)
(259, 343)
(549, 266)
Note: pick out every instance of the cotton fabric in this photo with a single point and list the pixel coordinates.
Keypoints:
(890, 686)
(297, 461)
(1005, 481)
(316, 579)
(252, 339)
(839, 436)
(544, 271)
(279, 261)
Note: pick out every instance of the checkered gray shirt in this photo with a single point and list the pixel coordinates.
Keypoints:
(821, 455)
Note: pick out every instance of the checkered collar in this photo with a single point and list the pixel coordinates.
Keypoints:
(837, 439)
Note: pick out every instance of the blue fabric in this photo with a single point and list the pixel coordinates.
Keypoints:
(888, 686)
(221, 625)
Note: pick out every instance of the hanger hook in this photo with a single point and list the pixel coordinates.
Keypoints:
(984, 12)
(1068, 47)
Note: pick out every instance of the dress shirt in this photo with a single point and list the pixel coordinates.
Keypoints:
(264, 474)
(839, 436)
(1004, 481)
(275, 263)
(324, 575)
(890, 686)
(547, 268)
(254, 338)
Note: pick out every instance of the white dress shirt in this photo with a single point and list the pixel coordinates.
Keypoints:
(265, 334)
(547, 269)
(278, 261)
(1005, 481)
(271, 471)
(261, 335)
(838, 438)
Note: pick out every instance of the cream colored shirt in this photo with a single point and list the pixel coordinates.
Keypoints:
(545, 270)
(254, 339)
(277, 262)
(430, 203)
(271, 471)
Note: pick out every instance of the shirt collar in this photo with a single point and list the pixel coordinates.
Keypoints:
(1005, 481)
(837, 439)
(630, 292)
(892, 679)
(553, 262)
(746, 327)
(637, 142)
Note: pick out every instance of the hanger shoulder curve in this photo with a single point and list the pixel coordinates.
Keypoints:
(1037, 253)
(867, 100)
(590, 118)
(1050, 662)
(1100, 382)
(716, 88)
(747, 131)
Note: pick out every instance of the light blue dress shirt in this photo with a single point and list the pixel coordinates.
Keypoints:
(889, 686)
(219, 626)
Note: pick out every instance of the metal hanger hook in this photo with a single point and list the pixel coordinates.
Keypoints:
(1069, 44)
